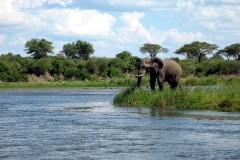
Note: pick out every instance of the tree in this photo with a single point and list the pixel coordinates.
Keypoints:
(197, 50)
(232, 50)
(69, 50)
(78, 50)
(84, 49)
(125, 55)
(39, 48)
(152, 49)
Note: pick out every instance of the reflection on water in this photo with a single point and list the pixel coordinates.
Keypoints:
(83, 124)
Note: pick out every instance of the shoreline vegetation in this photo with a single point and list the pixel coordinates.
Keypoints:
(213, 80)
(197, 93)
(205, 93)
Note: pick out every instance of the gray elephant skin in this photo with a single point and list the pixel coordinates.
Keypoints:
(160, 70)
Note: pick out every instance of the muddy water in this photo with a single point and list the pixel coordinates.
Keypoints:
(83, 124)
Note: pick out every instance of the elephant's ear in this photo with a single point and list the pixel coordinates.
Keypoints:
(158, 61)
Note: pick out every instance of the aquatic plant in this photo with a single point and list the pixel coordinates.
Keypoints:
(221, 98)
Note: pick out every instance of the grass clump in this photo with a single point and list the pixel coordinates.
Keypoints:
(223, 98)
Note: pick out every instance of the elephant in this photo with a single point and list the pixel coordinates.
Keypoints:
(162, 70)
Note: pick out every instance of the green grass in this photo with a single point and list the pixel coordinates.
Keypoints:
(221, 98)
(120, 82)
(210, 80)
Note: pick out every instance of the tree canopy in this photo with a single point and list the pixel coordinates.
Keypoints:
(152, 49)
(197, 50)
(78, 50)
(125, 55)
(38, 48)
(232, 50)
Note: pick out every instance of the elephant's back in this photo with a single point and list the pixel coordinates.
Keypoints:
(172, 67)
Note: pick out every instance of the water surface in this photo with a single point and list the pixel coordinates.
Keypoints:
(83, 124)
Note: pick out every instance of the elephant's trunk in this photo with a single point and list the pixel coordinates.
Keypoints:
(139, 81)
(140, 74)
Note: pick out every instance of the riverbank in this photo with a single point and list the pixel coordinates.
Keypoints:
(68, 84)
(217, 98)
(121, 82)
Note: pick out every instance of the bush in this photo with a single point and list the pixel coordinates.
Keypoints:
(229, 67)
(9, 73)
(208, 98)
(188, 67)
(71, 72)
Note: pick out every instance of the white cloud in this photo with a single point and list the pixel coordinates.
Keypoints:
(132, 30)
(136, 5)
(9, 14)
(139, 3)
(78, 22)
(217, 15)
(183, 4)
(60, 21)
(38, 3)
(61, 2)
(183, 37)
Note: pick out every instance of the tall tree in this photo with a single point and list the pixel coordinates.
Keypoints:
(84, 49)
(125, 55)
(69, 50)
(197, 50)
(232, 50)
(152, 49)
(78, 50)
(38, 48)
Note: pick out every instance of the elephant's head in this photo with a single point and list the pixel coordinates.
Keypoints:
(153, 64)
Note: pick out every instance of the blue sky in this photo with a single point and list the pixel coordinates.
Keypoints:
(116, 25)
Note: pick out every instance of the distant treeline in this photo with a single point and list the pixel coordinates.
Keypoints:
(15, 68)
(74, 61)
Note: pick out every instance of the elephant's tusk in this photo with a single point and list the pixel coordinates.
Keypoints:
(139, 75)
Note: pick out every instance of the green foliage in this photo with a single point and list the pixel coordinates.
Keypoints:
(69, 50)
(103, 67)
(232, 50)
(197, 50)
(78, 50)
(114, 72)
(38, 48)
(207, 98)
(188, 67)
(124, 55)
(9, 73)
(210, 80)
(152, 49)
(123, 66)
(57, 67)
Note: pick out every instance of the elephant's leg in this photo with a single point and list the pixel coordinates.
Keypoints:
(173, 84)
(152, 81)
(160, 83)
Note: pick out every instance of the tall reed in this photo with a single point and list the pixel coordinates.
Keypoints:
(224, 98)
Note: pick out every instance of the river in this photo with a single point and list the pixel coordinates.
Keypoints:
(83, 124)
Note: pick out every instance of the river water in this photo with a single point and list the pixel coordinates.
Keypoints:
(83, 124)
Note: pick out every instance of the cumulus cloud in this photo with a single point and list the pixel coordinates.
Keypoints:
(212, 15)
(38, 3)
(10, 15)
(57, 20)
(78, 22)
(183, 37)
(141, 3)
(132, 30)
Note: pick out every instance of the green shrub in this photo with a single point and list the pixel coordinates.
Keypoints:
(207, 98)
(9, 73)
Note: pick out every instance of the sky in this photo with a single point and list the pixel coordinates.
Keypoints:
(113, 26)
